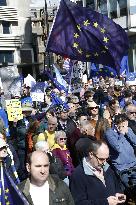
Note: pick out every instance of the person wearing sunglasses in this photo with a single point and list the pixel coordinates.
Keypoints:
(99, 123)
(93, 181)
(130, 111)
(60, 150)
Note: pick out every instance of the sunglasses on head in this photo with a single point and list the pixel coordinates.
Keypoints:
(63, 138)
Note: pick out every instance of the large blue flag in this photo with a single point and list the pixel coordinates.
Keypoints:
(86, 35)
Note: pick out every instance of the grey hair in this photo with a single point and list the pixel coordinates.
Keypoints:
(58, 134)
(41, 145)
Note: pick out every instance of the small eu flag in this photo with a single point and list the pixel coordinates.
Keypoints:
(86, 35)
(9, 192)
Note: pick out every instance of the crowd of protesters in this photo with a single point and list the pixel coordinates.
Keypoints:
(82, 153)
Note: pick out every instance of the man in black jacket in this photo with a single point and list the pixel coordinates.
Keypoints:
(93, 182)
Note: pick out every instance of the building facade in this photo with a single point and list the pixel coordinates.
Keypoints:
(16, 36)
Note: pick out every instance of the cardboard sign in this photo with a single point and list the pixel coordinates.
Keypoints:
(14, 109)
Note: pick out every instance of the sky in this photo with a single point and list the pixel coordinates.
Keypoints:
(41, 3)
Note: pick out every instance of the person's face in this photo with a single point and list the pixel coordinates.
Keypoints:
(99, 159)
(131, 113)
(48, 115)
(61, 141)
(123, 127)
(3, 149)
(94, 110)
(128, 99)
(52, 124)
(64, 115)
(39, 168)
(82, 119)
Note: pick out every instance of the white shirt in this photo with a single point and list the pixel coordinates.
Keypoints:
(40, 195)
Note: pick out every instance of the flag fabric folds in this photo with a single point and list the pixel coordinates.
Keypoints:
(59, 77)
(9, 192)
(55, 82)
(86, 35)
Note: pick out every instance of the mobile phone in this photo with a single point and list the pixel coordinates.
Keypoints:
(120, 198)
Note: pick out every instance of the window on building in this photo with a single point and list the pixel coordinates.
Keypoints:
(123, 7)
(6, 27)
(102, 7)
(91, 4)
(113, 8)
(7, 56)
(3, 3)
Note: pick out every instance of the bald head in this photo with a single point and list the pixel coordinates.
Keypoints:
(52, 124)
(38, 167)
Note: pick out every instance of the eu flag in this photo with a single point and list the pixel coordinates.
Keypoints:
(9, 192)
(86, 35)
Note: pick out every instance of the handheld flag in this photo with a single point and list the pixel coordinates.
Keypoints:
(59, 77)
(86, 35)
(10, 194)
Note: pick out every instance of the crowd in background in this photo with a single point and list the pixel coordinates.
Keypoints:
(103, 114)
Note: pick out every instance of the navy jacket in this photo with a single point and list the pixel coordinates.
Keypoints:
(89, 190)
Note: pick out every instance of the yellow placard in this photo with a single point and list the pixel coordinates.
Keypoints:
(14, 109)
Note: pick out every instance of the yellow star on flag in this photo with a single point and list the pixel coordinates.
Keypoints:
(88, 55)
(96, 54)
(103, 51)
(76, 35)
(106, 39)
(106, 47)
(95, 24)
(7, 203)
(6, 197)
(86, 23)
(79, 27)
(103, 30)
(75, 45)
(7, 190)
(80, 51)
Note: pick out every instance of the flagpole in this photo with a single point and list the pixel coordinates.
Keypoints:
(88, 64)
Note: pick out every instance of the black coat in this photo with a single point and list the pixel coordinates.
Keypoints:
(89, 190)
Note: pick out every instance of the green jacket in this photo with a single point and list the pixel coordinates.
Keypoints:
(59, 193)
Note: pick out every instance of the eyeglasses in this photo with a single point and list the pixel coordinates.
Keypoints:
(132, 112)
(92, 108)
(100, 159)
(63, 138)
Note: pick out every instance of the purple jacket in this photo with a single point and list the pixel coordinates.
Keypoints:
(64, 156)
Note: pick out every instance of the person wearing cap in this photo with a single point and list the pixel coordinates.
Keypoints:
(21, 129)
(9, 156)
(100, 124)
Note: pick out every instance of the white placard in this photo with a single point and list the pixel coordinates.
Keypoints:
(38, 97)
